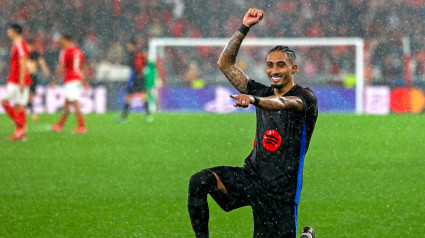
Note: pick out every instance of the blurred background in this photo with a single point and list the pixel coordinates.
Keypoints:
(103, 27)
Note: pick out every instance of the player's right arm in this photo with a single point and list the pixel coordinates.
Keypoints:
(22, 72)
(84, 75)
(59, 72)
(227, 60)
(43, 65)
(60, 69)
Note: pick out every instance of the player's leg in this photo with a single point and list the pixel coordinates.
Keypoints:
(69, 97)
(33, 86)
(144, 96)
(140, 86)
(18, 112)
(223, 184)
(128, 97)
(59, 125)
(29, 105)
(11, 94)
(21, 106)
(81, 128)
(273, 218)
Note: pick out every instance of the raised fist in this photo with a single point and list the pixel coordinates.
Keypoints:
(252, 17)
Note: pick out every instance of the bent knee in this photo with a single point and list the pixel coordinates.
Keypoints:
(203, 181)
(198, 179)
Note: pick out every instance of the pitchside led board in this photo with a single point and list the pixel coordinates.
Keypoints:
(378, 100)
(51, 100)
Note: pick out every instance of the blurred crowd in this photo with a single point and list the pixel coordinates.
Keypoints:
(102, 27)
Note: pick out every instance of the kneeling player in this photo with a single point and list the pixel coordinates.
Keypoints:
(18, 83)
(72, 65)
(271, 179)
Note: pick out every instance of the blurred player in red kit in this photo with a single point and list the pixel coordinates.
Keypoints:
(17, 89)
(72, 65)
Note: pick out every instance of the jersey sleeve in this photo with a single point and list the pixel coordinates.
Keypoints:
(20, 49)
(257, 89)
(309, 99)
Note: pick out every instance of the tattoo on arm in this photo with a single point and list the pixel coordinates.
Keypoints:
(227, 63)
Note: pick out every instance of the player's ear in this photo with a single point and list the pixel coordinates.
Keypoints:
(294, 68)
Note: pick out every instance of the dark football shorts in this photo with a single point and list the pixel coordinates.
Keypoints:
(136, 83)
(34, 82)
(272, 218)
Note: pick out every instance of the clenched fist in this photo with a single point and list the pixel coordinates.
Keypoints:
(252, 17)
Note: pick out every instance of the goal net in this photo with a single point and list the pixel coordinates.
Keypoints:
(191, 80)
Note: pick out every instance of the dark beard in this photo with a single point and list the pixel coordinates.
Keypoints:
(286, 79)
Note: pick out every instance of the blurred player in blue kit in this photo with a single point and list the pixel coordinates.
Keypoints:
(136, 83)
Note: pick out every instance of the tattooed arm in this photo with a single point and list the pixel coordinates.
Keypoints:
(227, 60)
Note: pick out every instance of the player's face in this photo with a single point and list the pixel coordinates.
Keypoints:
(11, 34)
(130, 47)
(63, 42)
(279, 69)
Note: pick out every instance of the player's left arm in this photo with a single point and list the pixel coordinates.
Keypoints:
(59, 72)
(84, 76)
(43, 66)
(272, 103)
(22, 71)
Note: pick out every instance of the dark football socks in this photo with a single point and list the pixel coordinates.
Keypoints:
(147, 108)
(125, 110)
(200, 185)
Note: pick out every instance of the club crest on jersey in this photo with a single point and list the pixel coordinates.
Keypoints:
(272, 140)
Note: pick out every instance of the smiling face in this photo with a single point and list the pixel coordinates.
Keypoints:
(280, 69)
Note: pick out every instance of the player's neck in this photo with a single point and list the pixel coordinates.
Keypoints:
(286, 87)
(68, 46)
(18, 38)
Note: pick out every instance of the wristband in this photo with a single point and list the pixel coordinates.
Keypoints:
(256, 100)
(244, 29)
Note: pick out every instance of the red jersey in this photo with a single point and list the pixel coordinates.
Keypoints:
(72, 60)
(19, 49)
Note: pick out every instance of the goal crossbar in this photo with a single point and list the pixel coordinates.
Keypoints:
(358, 43)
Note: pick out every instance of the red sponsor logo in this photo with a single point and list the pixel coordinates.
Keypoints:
(272, 140)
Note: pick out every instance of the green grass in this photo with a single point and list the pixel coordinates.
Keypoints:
(364, 176)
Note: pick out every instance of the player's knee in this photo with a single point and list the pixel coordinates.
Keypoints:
(4, 102)
(201, 182)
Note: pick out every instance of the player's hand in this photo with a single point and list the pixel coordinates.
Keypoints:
(86, 86)
(22, 87)
(243, 100)
(252, 17)
(52, 84)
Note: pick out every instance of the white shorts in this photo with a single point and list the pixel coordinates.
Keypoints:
(14, 94)
(73, 90)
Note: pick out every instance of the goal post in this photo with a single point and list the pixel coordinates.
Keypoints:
(156, 50)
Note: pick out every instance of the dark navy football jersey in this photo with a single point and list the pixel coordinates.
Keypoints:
(281, 142)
